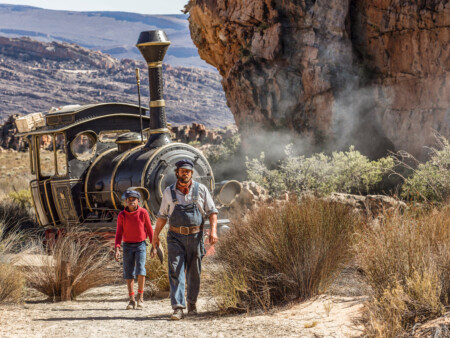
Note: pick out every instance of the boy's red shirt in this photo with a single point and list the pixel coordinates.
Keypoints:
(133, 226)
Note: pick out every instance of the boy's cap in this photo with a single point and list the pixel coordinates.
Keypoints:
(132, 193)
(186, 164)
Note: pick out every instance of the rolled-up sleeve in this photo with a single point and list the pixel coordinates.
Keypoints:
(210, 207)
(164, 208)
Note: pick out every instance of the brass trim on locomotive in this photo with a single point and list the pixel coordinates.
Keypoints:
(88, 174)
(34, 203)
(157, 103)
(155, 43)
(157, 64)
(159, 131)
(48, 200)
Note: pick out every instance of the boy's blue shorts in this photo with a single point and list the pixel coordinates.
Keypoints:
(134, 256)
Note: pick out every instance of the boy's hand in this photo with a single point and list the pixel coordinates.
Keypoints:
(117, 254)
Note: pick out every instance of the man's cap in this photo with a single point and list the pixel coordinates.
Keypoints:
(186, 164)
(132, 193)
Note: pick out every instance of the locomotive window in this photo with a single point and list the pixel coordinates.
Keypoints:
(46, 155)
(61, 156)
(110, 135)
(84, 146)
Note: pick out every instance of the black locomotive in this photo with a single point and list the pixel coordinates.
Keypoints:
(85, 157)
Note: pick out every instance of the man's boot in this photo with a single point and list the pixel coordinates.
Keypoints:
(177, 314)
(192, 309)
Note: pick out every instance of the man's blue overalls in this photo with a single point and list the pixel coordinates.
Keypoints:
(185, 252)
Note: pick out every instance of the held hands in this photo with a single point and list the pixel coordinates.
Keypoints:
(117, 254)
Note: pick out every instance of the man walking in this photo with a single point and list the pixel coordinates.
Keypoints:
(184, 205)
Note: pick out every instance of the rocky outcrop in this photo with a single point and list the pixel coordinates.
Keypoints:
(371, 73)
(8, 137)
(198, 132)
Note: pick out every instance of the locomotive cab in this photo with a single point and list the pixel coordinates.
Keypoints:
(62, 151)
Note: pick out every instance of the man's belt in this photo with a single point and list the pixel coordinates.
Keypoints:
(186, 230)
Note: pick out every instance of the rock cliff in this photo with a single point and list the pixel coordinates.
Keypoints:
(371, 73)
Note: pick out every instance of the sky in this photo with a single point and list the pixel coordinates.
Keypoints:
(134, 6)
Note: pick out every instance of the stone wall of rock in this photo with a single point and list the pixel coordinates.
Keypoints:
(371, 73)
(8, 137)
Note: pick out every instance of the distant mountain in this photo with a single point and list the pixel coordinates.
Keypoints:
(114, 33)
(35, 76)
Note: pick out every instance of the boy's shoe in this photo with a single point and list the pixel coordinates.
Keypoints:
(140, 305)
(177, 314)
(131, 305)
(192, 309)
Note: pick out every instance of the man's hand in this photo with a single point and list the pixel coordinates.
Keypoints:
(153, 252)
(117, 254)
(213, 237)
(155, 241)
(213, 232)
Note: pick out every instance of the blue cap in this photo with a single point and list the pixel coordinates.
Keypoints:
(132, 193)
(186, 164)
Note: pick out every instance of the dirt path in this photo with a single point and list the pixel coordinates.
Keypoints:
(101, 312)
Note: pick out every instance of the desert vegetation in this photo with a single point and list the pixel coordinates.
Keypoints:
(282, 252)
(87, 258)
(157, 273)
(406, 261)
(12, 281)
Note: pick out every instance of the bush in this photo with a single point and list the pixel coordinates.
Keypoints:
(16, 216)
(12, 281)
(430, 181)
(90, 260)
(407, 263)
(21, 197)
(282, 252)
(346, 172)
(227, 160)
(157, 273)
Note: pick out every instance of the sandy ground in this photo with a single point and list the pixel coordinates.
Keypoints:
(101, 312)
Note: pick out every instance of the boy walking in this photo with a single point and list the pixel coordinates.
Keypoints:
(133, 226)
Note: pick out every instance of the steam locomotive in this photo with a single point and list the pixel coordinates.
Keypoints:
(85, 157)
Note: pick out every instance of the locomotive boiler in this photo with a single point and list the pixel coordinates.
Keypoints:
(85, 157)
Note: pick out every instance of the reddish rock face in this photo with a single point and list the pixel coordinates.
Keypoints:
(370, 73)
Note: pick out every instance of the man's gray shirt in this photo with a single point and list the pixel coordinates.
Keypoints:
(205, 202)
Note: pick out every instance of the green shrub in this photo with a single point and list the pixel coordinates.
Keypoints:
(282, 252)
(406, 261)
(430, 181)
(347, 172)
(21, 197)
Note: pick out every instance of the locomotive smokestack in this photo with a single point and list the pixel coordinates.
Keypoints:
(153, 46)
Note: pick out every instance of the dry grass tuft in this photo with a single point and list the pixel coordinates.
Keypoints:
(283, 252)
(12, 283)
(90, 260)
(12, 248)
(157, 273)
(407, 263)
